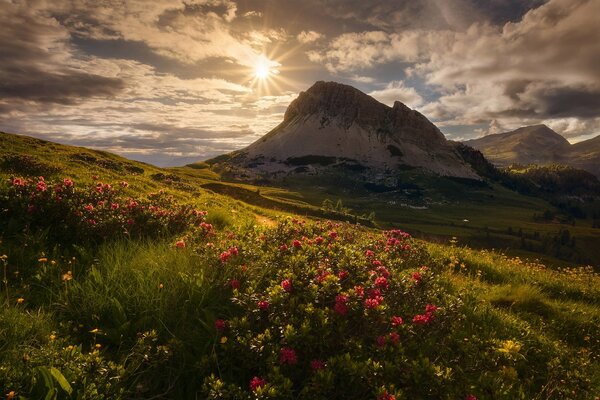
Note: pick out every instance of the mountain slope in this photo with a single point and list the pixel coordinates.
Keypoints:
(539, 144)
(333, 124)
(535, 144)
(586, 155)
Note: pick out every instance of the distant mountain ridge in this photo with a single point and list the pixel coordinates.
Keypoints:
(332, 124)
(538, 144)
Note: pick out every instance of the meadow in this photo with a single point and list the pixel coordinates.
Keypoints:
(123, 280)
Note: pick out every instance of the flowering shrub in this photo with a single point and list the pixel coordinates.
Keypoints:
(74, 214)
(322, 315)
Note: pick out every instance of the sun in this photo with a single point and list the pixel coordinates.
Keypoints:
(262, 69)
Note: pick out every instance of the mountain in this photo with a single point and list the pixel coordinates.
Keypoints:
(335, 125)
(535, 144)
(586, 155)
(539, 144)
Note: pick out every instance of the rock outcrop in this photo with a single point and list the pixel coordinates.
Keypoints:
(332, 123)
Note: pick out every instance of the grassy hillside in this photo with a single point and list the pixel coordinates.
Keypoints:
(124, 291)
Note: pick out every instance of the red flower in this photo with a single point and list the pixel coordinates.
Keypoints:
(371, 303)
(68, 182)
(386, 396)
(360, 291)
(256, 383)
(263, 305)
(383, 271)
(226, 255)
(234, 283)
(18, 182)
(381, 341)
(319, 240)
(430, 308)
(417, 277)
(297, 244)
(288, 356)
(397, 321)
(114, 206)
(283, 247)
(471, 397)
(342, 274)
(180, 244)
(369, 253)
(286, 284)
(221, 325)
(394, 337)
(340, 304)
(381, 282)
(333, 234)
(89, 208)
(422, 319)
(316, 365)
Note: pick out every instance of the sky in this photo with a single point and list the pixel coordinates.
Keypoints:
(176, 81)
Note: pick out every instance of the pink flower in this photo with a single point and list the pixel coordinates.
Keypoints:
(316, 365)
(256, 383)
(381, 282)
(283, 247)
(180, 244)
(68, 182)
(297, 244)
(286, 284)
(224, 256)
(234, 283)
(130, 221)
(263, 305)
(124, 184)
(114, 206)
(221, 325)
(288, 356)
(41, 185)
(89, 208)
(397, 321)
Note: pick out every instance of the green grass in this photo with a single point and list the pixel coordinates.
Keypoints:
(137, 319)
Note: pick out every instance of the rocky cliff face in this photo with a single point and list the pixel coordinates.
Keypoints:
(332, 123)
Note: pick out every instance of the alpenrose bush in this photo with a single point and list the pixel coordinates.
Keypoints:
(331, 311)
(86, 214)
(335, 312)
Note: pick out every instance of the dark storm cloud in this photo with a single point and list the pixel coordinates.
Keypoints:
(65, 88)
(32, 49)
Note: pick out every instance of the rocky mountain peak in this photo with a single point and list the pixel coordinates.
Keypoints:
(334, 99)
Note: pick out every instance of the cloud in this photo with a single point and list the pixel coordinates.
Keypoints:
(308, 36)
(397, 91)
(36, 62)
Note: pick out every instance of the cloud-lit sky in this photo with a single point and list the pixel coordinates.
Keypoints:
(174, 81)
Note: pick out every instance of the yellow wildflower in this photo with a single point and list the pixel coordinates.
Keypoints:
(20, 300)
(43, 260)
(68, 276)
(224, 340)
